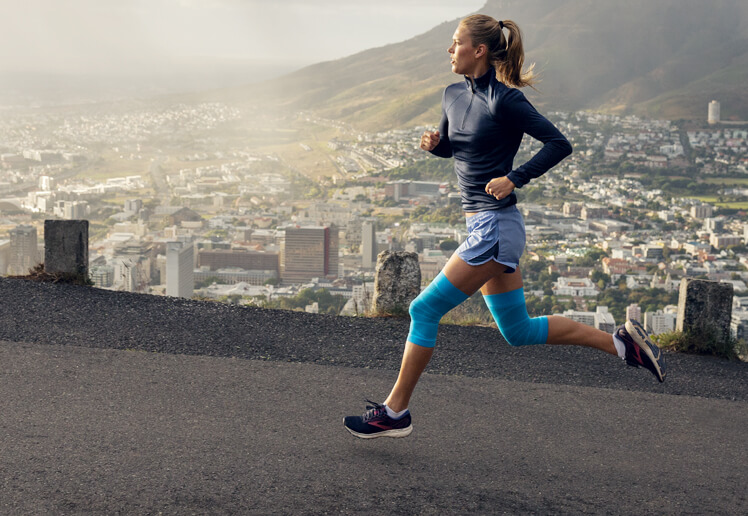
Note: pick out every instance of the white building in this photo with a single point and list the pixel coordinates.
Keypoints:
(724, 241)
(180, 280)
(659, 322)
(713, 112)
(702, 211)
(587, 318)
(604, 320)
(369, 248)
(634, 311)
(575, 287)
(600, 318)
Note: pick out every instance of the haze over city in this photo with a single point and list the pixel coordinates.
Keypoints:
(192, 44)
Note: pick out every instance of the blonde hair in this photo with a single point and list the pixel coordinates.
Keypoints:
(505, 54)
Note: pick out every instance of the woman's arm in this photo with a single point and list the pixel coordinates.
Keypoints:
(443, 149)
(517, 110)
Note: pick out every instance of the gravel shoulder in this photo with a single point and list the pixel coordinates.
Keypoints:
(70, 315)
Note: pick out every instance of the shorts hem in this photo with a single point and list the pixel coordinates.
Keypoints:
(512, 267)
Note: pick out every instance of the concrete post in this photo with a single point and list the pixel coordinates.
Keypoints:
(397, 281)
(66, 246)
(705, 306)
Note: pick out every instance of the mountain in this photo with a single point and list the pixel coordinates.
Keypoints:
(657, 58)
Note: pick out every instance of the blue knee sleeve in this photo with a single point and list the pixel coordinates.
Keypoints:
(510, 313)
(429, 307)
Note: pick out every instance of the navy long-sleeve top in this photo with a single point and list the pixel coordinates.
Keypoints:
(482, 125)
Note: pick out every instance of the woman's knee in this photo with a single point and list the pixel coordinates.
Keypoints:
(525, 332)
(510, 313)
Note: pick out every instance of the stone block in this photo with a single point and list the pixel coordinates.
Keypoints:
(705, 306)
(66, 246)
(397, 281)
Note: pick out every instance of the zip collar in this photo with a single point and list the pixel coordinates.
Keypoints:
(482, 82)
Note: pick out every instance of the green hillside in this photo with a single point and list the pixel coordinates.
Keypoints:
(664, 58)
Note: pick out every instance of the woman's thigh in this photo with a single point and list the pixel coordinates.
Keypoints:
(469, 278)
(501, 283)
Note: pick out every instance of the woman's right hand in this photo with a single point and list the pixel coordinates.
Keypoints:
(430, 140)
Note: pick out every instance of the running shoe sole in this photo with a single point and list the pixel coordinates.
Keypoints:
(395, 432)
(647, 346)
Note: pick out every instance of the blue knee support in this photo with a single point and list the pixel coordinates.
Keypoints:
(429, 307)
(510, 313)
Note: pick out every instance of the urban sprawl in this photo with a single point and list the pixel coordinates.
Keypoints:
(177, 210)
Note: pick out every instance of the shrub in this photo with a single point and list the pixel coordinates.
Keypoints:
(701, 341)
(37, 273)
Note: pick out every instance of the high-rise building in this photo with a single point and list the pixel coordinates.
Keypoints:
(702, 211)
(309, 252)
(24, 253)
(604, 320)
(133, 205)
(634, 312)
(102, 276)
(368, 244)
(180, 269)
(45, 183)
(713, 112)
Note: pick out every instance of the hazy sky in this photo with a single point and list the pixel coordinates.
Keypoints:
(129, 36)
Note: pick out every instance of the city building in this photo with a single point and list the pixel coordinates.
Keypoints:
(102, 275)
(133, 205)
(634, 311)
(46, 183)
(714, 225)
(134, 264)
(230, 276)
(702, 211)
(604, 320)
(244, 259)
(713, 112)
(4, 256)
(572, 209)
(739, 324)
(71, 210)
(594, 211)
(180, 281)
(309, 252)
(659, 322)
(403, 189)
(575, 287)
(600, 318)
(725, 241)
(369, 248)
(24, 252)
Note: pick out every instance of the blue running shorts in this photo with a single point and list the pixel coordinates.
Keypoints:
(497, 235)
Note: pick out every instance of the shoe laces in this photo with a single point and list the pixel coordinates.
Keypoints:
(373, 409)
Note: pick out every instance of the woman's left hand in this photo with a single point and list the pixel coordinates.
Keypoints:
(500, 187)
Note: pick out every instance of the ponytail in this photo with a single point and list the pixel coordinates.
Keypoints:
(505, 54)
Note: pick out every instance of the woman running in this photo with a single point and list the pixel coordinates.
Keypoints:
(483, 120)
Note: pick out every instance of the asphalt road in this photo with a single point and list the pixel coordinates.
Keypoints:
(105, 431)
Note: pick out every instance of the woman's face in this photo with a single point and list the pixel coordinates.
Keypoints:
(464, 56)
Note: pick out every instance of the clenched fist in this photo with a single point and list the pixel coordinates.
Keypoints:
(430, 140)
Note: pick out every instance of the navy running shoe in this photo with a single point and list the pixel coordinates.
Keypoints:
(376, 423)
(640, 350)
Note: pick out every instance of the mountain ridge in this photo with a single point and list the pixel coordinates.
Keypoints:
(661, 58)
